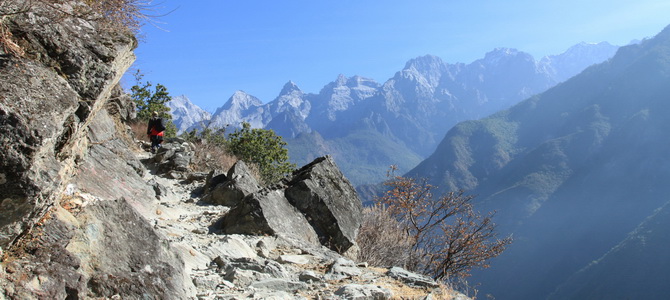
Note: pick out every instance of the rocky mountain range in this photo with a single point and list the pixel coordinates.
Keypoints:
(367, 126)
(578, 174)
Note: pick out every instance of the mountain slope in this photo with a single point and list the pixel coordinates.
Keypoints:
(570, 171)
(420, 103)
(644, 275)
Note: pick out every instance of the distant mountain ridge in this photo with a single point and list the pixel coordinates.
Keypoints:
(410, 112)
(579, 174)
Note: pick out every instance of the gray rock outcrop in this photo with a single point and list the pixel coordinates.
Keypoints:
(316, 204)
(120, 253)
(268, 212)
(46, 104)
(412, 278)
(173, 158)
(329, 201)
(232, 188)
(363, 291)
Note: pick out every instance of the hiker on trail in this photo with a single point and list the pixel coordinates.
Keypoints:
(155, 131)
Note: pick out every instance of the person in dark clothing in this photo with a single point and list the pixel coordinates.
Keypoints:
(155, 131)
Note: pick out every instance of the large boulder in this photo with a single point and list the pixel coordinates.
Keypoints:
(109, 170)
(102, 249)
(316, 204)
(238, 183)
(329, 202)
(174, 158)
(268, 212)
(121, 254)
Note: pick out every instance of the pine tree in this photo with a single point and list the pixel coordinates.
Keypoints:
(148, 101)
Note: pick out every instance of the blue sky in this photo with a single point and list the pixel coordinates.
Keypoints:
(208, 49)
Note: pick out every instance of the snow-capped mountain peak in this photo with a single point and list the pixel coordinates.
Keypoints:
(290, 88)
(185, 114)
(577, 58)
(241, 101)
(499, 55)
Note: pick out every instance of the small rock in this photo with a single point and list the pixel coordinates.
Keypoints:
(360, 291)
(280, 285)
(294, 259)
(195, 176)
(200, 231)
(209, 282)
(308, 276)
(411, 278)
(343, 268)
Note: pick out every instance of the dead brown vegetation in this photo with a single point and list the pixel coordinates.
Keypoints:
(108, 15)
(382, 239)
(210, 156)
(441, 236)
(139, 131)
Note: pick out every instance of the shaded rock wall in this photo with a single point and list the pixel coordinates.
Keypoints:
(47, 99)
(73, 206)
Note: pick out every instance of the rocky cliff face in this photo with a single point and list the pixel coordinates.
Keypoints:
(49, 99)
(60, 124)
(83, 214)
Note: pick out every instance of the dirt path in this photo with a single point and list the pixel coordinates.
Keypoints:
(183, 220)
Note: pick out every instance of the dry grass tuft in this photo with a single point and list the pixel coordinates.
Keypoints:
(210, 156)
(7, 40)
(213, 156)
(139, 130)
(382, 240)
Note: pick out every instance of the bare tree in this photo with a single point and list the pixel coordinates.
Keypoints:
(447, 237)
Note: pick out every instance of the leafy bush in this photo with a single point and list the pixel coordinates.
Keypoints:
(263, 148)
(212, 151)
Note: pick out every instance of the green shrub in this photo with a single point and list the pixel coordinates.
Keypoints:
(263, 148)
(148, 101)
